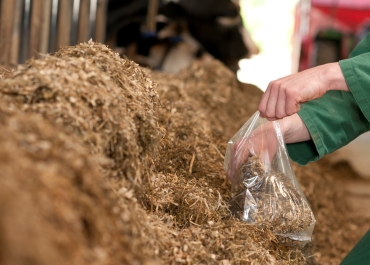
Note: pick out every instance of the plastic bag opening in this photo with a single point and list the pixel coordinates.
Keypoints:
(264, 189)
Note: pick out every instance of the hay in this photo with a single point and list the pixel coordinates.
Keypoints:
(214, 87)
(4, 73)
(170, 157)
(80, 100)
(78, 97)
(191, 185)
(137, 88)
(337, 230)
(185, 164)
(55, 207)
(183, 91)
(273, 202)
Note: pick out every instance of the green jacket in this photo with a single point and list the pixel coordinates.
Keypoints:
(360, 254)
(338, 117)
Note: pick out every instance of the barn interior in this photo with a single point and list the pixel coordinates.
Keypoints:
(115, 117)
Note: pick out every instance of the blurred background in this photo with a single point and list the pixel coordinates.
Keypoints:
(271, 24)
(259, 40)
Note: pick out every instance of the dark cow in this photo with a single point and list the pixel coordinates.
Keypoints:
(215, 26)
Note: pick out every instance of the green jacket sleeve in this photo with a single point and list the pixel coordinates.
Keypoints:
(338, 117)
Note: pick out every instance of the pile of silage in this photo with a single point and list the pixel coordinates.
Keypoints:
(336, 228)
(190, 183)
(55, 207)
(138, 89)
(227, 103)
(115, 115)
(81, 99)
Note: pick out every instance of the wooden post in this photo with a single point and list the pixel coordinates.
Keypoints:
(15, 42)
(92, 18)
(83, 25)
(65, 22)
(101, 21)
(24, 44)
(53, 26)
(151, 15)
(1, 4)
(36, 27)
(45, 27)
(31, 27)
(75, 21)
(7, 15)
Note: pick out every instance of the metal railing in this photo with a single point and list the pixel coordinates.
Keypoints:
(30, 27)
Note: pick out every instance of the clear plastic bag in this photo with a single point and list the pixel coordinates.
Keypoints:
(264, 189)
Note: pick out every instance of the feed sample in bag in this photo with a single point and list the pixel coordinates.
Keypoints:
(264, 189)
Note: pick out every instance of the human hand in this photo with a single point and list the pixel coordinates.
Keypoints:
(284, 96)
(263, 142)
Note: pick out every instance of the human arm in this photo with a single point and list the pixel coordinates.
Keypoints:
(333, 121)
(353, 74)
(356, 71)
(338, 117)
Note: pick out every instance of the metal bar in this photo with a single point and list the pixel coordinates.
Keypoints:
(53, 26)
(75, 21)
(92, 18)
(25, 32)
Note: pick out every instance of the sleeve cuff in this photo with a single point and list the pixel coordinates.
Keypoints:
(333, 121)
(308, 151)
(353, 81)
(303, 152)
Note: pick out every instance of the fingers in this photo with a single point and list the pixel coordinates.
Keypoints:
(242, 152)
(239, 153)
(261, 142)
(280, 109)
(272, 102)
(280, 100)
(263, 104)
(272, 105)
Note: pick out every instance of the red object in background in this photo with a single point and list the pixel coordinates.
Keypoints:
(321, 18)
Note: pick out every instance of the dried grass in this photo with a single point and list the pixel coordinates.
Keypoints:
(80, 99)
(337, 230)
(274, 202)
(168, 156)
(192, 187)
(214, 87)
(135, 86)
(4, 73)
(55, 206)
